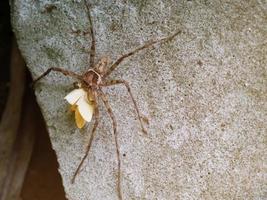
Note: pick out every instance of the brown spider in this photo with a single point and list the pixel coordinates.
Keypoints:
(93, 80)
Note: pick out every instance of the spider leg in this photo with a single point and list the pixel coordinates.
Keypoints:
(112, 116)
(96, 114)
(126, 84)
(57, 69)
(146, 45)
(92, 51)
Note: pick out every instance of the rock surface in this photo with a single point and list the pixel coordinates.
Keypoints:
(204, 94)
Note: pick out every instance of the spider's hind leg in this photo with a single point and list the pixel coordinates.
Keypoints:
(146, 45)
(92, 51)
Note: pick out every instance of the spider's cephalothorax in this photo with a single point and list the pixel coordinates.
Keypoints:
(89, 93)
(91, 79)
(94, 77)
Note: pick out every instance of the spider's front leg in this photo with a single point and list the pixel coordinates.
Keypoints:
(96, 114)
(126, 84)
(112, 116)
(57, 69)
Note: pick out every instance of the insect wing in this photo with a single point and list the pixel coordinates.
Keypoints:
(85, 108)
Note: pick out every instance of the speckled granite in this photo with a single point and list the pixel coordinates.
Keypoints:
(204, 94)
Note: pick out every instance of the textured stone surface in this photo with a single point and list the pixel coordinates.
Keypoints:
(204, 94)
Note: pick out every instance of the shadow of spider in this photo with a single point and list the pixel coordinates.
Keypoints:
(93, 80)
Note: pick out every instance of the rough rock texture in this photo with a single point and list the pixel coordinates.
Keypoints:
(204, 94)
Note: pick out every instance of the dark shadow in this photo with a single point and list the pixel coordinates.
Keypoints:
(42, 180)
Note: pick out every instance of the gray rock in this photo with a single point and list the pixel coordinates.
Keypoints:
(204, 94)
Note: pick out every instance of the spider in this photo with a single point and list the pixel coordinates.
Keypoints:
(92, 81)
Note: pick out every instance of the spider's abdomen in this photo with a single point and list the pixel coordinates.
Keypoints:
(101, 66)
